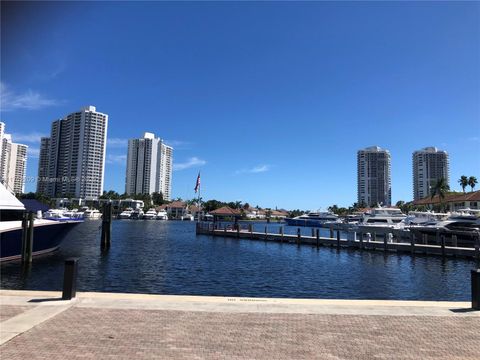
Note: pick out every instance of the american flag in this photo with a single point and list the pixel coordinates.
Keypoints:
(197, 185)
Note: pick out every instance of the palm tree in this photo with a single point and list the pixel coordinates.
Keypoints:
(463, 181)
(440, 188)
(472, 181)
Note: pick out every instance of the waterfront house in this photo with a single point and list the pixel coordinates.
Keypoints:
(254, 213)
(279, 214)
(454, 201)
(176, 210)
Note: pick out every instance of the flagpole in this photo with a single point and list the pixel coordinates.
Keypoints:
(199, 185)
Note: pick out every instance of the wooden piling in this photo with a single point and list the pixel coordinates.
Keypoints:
(338, 239)
(331, 232)
(385, 239)
(298, 236)
(266, 232)
(313, 232)
(24, 236)
(281, 233)
(475, 286)
(318, 237)
(70, 279)
(106, 226)
(374, 237)
(29, 238)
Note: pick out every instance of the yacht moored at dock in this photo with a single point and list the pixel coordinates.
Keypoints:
(151, 214)
(162, 215)
(382, 219)
(126, 214)
(92, 214)
(317, 219)
(48, 234)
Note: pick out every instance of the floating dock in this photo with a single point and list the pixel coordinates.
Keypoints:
(354, 241)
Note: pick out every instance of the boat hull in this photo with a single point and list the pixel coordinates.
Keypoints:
(46, 238)
(305, 222)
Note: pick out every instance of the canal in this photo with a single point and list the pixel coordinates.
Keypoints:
(166, 257)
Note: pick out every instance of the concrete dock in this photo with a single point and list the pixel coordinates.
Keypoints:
(39, 325)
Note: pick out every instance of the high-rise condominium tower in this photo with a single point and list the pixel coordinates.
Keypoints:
(149, 166)
(373, 176)
(13, 162)
(429, 166)
(73, 158)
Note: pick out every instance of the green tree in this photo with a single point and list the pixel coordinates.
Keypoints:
(333, 209)
(111, 194)
(157, 198)
(463, 181)
(211, 205)
(295, 213)
(472, 181)
(440, 188)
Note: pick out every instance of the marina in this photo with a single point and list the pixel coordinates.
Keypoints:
(168, 257)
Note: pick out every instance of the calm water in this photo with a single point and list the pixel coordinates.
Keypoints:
(167, 258)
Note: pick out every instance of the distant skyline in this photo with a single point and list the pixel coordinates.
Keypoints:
(269, 100)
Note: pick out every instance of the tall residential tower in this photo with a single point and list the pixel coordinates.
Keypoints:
(73, 158)
(429, 166)
(373, 176)
(149, 166)
(13, 162)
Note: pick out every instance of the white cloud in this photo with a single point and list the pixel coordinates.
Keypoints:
(117, 142)
(255, 170)
(116, 159)
(30, 100)
(33, 137)
(33, 153)
(192, 162)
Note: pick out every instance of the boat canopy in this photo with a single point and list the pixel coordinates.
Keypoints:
(8, 201)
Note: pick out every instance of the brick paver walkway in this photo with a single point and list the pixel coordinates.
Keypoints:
(9, 311)
(98, 333)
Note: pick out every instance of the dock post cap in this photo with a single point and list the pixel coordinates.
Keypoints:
(72, 260)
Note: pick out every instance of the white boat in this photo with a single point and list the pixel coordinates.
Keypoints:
(47, 234)
(56, 214)
(456, 222)
(74, 214)
(382, 218)
(151, 214)
(313, 219)
(162, 215)
(126, 214)
(137, 214)
(415, 218)
(92, 214)
(187, 217)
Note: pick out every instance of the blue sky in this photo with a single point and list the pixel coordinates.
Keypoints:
(270, 101)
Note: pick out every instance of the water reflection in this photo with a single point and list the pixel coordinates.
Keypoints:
(167, 258)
